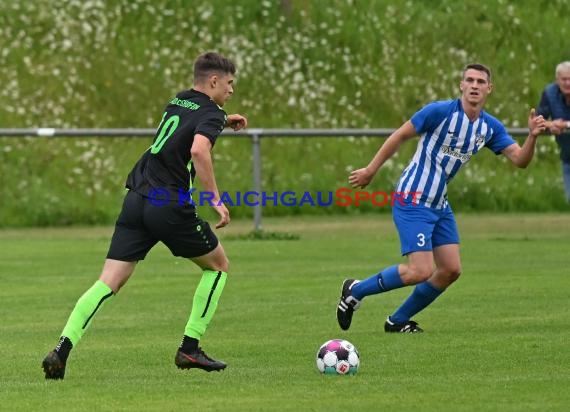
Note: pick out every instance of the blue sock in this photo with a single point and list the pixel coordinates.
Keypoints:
(424, 293)
(384, 281)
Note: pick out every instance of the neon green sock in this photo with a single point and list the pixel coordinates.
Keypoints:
(205, 302)
(84, 311)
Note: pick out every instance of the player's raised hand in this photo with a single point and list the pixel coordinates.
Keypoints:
(360, 178)
(536, 124)
(236, 122)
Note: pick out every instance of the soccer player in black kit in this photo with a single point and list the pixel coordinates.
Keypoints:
(181, 150)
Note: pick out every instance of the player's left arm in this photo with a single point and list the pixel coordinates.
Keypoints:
(521, 156)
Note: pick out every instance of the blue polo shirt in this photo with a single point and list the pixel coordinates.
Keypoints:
(553, 106)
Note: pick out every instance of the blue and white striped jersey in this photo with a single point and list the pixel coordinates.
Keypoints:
(447, 141)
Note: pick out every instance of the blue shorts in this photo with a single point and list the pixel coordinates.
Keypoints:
(422, 228)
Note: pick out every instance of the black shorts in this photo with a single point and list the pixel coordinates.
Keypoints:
(141, 225)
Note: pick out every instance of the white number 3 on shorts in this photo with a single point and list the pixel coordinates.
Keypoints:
(421, 239)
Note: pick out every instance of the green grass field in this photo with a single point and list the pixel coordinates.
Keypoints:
(496, 341)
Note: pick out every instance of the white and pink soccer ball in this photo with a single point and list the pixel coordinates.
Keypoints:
(338, 357)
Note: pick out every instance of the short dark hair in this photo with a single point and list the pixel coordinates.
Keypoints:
(211, 63)
(480, 67)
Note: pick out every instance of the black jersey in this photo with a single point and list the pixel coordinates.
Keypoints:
(167, 164)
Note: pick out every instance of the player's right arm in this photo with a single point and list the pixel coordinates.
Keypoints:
(236, 121)
(202, 161)
(362, 177)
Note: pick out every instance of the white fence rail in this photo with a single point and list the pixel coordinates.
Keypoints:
(254, 134)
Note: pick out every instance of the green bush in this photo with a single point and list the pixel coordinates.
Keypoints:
(318, 64)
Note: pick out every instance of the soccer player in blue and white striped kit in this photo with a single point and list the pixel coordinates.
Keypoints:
(450, 133)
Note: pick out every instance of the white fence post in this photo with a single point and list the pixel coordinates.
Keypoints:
(256, 159)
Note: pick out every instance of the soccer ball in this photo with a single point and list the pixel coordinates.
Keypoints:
(338, 357)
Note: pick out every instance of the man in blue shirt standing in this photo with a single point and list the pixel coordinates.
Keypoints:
(450, 133)
(555, 105)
